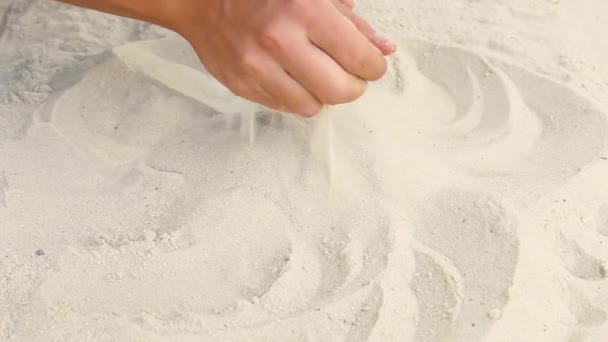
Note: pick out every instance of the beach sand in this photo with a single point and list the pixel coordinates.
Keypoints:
(463, 198)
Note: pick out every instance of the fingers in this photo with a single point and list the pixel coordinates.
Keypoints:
(336, 34)
(294, 97)
(380, 42)
(383, 44)
(321, 75)
(313, 68)
(251, 91)
(296, 56)
(259, 77)
(348, 3)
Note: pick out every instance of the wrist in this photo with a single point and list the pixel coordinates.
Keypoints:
(185, 16)
(161, 12)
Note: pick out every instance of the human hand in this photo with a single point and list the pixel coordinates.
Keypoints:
(386, 46)
(289, 55)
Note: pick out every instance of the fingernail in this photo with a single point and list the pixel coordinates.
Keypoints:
(383, 44)
(348, 3)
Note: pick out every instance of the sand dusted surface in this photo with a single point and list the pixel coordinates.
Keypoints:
(464, 198)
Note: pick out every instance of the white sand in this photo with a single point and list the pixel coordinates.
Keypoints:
(469, 198)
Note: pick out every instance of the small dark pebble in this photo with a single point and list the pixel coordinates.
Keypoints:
(39, 252)
(473, 325)
(604, 158)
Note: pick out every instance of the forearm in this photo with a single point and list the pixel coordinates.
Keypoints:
(160, 12)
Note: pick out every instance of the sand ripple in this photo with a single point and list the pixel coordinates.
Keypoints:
(192, 229)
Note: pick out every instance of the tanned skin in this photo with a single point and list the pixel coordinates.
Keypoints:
(289, 55)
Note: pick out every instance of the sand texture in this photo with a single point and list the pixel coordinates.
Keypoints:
(464, 198)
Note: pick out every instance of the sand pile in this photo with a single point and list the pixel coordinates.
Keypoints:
(464, 198)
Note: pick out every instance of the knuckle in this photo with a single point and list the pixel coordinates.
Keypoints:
(272, 38)
(251, 63)
(297, 6)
